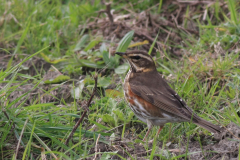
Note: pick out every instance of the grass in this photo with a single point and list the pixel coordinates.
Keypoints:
(206, 76)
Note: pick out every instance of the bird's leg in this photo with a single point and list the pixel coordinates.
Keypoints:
(147, 134)
(149, 124)
(161, 127)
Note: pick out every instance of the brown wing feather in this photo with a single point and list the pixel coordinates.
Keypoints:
(165, 102)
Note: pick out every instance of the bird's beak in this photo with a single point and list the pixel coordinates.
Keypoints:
(122, 54)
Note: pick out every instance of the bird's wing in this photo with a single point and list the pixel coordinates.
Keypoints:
(163, 96)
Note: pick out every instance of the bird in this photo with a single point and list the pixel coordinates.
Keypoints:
(150, 97)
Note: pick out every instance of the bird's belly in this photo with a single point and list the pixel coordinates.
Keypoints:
(143, 115)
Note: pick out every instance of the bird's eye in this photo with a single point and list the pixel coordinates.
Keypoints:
(136, 57)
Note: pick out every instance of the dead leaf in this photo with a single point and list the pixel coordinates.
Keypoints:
(113, 93)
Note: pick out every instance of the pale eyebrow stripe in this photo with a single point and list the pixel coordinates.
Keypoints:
(150, 59)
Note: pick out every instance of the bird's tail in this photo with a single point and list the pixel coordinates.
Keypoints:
(209, 126)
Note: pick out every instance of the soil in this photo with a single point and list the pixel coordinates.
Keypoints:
(220, 146)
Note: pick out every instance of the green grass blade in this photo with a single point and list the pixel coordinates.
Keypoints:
(153, 44)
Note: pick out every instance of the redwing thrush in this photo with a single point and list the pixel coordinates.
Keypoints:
(151, 99)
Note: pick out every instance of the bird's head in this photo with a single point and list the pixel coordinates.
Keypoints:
(139, 61)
